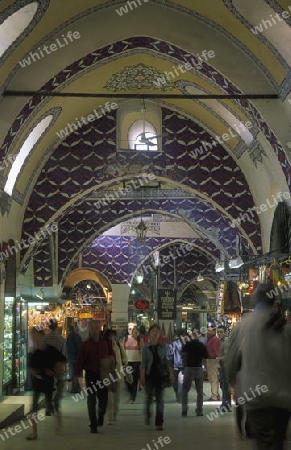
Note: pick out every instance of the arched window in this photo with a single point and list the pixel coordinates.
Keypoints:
(25, 150)
(15, 24)
(142, 136)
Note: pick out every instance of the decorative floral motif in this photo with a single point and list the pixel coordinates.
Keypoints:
(256, 154)
(139, 76)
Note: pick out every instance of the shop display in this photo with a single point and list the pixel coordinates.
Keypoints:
(39, 315)
(20, 359)
(8, 340)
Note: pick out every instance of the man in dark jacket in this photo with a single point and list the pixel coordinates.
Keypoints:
(193, 352)
(92, 352)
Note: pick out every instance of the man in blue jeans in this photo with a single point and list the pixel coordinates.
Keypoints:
(193, 352)
(226, 396)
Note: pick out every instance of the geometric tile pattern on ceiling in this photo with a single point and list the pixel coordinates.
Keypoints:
(156, 47)
(140, 76)
(113, 256)
(43, 271)
(82, 160)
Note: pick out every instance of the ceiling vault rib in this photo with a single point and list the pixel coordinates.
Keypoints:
(10, 93)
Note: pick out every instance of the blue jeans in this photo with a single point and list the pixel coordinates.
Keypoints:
(190, 374)
(132, 388)
(177, 385)
(226, 396)
(158, 391)
(101, 393)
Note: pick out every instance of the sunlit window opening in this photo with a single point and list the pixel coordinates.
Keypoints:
(24, 152)
(15, 24)
(142, 136)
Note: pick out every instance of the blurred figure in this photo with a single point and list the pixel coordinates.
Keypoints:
(213, 349)
(194, 352)
(44, 363)
(225, 389)
(174, 354)
(55, 339)
(153, 355)
(260, 353)
(74, 342)
(132, 345)
(90, 357)
(121, 360)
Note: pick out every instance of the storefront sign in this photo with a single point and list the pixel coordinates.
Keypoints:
(166, 304)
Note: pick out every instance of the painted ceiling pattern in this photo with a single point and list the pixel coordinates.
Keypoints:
(87, 160)
(112, 256)
(80, 163)
(157, 48)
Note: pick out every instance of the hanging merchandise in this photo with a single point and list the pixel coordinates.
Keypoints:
(231, 298)
(219, 299)
(275, 272)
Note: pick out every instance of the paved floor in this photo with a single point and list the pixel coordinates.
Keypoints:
(130, 432)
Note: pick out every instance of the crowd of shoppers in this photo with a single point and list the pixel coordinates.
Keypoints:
(256, 358)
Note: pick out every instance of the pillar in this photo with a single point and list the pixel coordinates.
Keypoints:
(119, 315)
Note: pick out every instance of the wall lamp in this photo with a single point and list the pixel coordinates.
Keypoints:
(236, 263)
(219, 266)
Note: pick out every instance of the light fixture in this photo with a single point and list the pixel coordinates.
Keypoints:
(200, 277)
(40, 294)
(236, 263)
(89, 286)
(141, 230)
(139, 279)
(219, 266)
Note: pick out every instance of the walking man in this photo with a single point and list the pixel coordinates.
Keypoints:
(55, 339)
(226, 396)
(213, 348)
(90, 356)
(194, 352)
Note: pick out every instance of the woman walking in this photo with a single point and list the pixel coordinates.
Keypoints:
(114, 395)
(153, 364)
(132, 345)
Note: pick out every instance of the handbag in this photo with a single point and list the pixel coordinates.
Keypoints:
(165, 374)
(129, 378)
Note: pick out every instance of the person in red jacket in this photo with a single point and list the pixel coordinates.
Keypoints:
(90, 356)
(213, 348)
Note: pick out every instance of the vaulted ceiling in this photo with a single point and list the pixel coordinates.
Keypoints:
(114, 52)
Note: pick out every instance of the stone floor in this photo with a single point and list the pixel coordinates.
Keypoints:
(130, 432)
